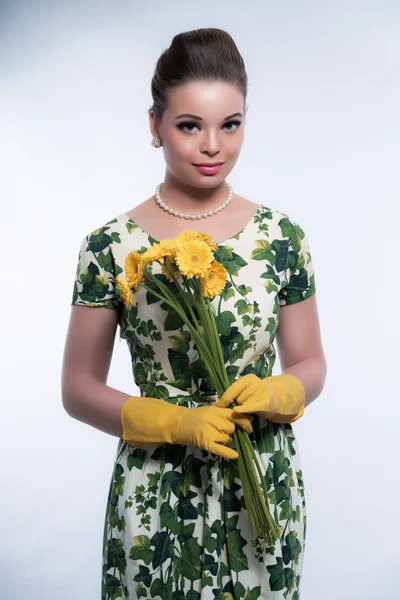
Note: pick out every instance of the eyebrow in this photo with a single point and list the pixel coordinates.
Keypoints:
(200, 119)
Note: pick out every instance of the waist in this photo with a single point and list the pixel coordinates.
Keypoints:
(174, 395)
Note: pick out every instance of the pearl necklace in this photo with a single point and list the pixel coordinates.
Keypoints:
(175, 213)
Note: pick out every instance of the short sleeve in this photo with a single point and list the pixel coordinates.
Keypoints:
(300, 283)
(94, 283)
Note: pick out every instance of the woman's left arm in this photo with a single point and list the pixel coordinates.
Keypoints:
(299, 345)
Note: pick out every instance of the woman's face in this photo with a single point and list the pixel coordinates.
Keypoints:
(187, 141)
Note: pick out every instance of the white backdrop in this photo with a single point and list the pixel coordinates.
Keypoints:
(321, 144)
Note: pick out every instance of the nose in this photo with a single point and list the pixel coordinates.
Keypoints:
(210, 144)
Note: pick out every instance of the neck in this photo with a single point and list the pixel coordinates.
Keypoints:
(189, 199)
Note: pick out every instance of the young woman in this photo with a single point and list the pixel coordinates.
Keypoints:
(176, 524)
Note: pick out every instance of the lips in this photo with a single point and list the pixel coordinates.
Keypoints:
(209, 170)
(208, 164)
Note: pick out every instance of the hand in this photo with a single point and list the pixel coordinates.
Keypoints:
(150, 421)
(278, 398)
(211, 427)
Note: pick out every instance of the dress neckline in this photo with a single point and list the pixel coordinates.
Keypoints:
(248, 224)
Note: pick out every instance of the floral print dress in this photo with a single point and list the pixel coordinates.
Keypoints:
(176, 525)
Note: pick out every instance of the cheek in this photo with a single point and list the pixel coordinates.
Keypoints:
(177, 143)
(237, 141)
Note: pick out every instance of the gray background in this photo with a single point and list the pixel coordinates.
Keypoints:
(321, 144)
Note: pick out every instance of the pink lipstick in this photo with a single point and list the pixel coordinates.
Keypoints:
(209, 168)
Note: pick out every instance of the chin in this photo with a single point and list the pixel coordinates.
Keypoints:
(204, 181)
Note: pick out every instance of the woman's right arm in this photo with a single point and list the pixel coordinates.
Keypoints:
(86, 362)
(87, 398)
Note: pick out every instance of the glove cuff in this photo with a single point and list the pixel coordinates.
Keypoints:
(150, 421)
(287, 398)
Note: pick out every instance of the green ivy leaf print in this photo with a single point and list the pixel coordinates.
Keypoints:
(176, 525)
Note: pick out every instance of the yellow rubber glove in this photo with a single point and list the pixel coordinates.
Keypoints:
(150, 421)
(278, 398)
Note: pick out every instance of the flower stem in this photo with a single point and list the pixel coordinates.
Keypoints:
(217, 342)
(205, 334)
(201, 344)
(184, 296)
(263, 496)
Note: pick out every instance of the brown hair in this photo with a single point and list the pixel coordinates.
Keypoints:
(201, 54)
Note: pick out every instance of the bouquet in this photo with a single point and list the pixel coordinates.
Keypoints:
(188, 261)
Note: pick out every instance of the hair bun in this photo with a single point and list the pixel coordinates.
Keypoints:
(200, 54)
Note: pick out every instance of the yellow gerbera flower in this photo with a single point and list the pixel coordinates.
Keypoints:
(158, 251)
(134, 267)
(208, 239)
(194, 258)
(214, 281)
(127, 294)
(188, 235)
(170, 263)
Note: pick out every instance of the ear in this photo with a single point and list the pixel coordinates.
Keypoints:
(153, 124)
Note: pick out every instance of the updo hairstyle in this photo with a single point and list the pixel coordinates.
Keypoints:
(201, 54)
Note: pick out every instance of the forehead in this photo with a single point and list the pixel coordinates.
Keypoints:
(202, 97)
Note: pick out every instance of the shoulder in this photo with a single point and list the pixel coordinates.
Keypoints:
(285, 224)
(98, 247)
(143, 210)
(274, 221)
(107, 233)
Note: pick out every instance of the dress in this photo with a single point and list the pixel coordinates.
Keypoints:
(176, 525)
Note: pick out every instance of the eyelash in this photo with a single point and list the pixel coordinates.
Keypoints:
(188, 123)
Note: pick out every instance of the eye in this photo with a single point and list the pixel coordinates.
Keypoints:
(193, 124)
(237, 123)
(186, 124)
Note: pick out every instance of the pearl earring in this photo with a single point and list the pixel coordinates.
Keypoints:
(156, 142)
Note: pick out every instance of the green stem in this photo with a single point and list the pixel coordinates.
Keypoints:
(211, 335)
(186, 283)
(254, 492)
(201, 344)
(184, 296)
(207, 329)
(258, 510)
(263, 496)
(210, 349)
(244, 480)
(217, 342)
(264, 523)
(208, 334)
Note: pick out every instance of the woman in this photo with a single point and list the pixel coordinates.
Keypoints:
(176, 525)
